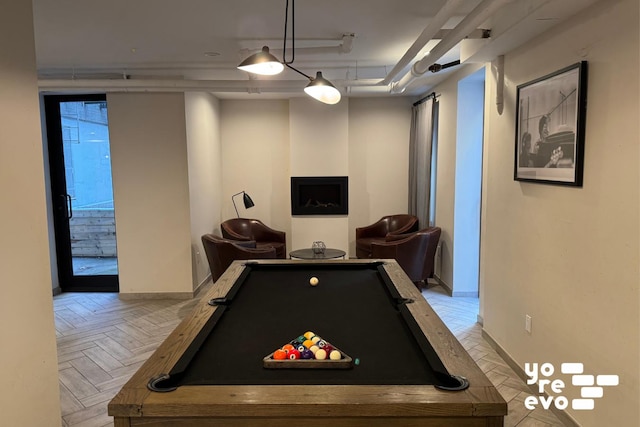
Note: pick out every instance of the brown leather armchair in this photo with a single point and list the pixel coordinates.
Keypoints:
(377, 232)
(414, 252)
(222, 252)
(244, 229)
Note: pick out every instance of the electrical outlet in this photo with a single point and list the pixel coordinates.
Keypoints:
(527, 323)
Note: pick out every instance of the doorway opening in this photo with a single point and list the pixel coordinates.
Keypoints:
(468, 185)
(82, 192)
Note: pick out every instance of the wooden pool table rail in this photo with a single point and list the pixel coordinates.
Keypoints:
(370, 406)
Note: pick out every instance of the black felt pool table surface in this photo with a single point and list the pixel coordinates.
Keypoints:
(352, 307)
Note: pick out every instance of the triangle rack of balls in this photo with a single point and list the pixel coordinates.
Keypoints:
(308, 351)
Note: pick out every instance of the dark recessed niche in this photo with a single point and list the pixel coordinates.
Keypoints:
(319, 195)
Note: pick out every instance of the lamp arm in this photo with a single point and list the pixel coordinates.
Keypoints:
(234, 202)
(298, 71)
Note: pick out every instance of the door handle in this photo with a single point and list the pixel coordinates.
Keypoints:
(68, 205)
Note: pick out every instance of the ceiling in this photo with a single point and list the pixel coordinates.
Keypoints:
(365, 47)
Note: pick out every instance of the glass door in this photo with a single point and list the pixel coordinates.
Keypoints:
(82, 192)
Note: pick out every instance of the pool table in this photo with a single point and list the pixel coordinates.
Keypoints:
(408, 369)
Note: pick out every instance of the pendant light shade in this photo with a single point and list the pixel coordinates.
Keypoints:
(322, 90)
(263, 63)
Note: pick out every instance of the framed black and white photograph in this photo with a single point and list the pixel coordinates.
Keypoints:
(550, 125)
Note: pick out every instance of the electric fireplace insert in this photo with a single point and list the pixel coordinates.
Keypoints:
(319, 195)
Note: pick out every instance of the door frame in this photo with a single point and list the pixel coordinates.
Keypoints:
(53, 126)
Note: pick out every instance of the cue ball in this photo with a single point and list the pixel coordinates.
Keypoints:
(313, 281)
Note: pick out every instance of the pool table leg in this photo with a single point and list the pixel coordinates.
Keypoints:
(121, 422)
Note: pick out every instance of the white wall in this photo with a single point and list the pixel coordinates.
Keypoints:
(30, 393)
(151, 192)
(566, 256)
(255, 159)
(264, 143)
(378, 160)
(186, 155)
(319, 147)
(202, 112)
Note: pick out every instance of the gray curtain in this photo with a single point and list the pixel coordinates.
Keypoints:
(420, 160)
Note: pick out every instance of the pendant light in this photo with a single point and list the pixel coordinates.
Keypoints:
(266, 64)
(263, 63)
(322, 90)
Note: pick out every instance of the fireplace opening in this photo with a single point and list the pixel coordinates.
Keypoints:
(319, 195)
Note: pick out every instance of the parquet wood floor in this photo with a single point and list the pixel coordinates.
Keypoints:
(103, 340)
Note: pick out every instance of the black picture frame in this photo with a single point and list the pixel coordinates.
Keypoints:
(550, 127)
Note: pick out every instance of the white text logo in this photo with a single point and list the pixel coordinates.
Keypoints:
(591, 386)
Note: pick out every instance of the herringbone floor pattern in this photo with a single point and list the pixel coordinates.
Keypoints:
(103, 340)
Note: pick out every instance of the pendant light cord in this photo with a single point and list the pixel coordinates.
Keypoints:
(293, 33)
(293, 38)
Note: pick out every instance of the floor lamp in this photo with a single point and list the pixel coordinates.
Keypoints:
(248, 203)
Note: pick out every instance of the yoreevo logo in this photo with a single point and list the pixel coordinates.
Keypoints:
(591, 386)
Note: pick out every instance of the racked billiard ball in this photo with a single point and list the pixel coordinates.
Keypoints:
(287, 348)
(321, 354)
(335, 355)
(306, 354)
(279, 354)
(293, 354)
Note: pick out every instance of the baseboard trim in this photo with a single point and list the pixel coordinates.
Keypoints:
(446, 287)
(450, 291)
(156, 295)
(465, 294)
(166, 295)
(202, 285)
(564, 417)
